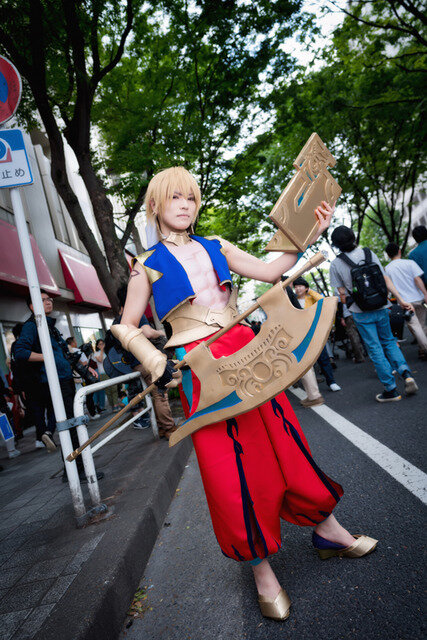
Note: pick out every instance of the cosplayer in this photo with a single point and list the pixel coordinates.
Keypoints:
(256, 467)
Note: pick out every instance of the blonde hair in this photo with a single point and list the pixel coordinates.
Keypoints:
(162, 187)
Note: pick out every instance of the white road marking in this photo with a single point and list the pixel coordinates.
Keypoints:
(400, 469)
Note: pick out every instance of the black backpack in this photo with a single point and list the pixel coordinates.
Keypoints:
(369, 288)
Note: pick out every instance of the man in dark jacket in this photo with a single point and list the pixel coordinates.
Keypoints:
(28, 349)
(37, 396)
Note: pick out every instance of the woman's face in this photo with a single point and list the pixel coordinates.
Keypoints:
(100, 344)
(179, 213)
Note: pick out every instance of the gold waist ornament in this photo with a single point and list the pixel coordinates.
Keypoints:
(191, 322)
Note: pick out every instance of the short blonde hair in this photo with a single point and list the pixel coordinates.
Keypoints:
(162, 187)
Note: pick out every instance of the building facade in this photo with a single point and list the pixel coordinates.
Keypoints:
(64, 268)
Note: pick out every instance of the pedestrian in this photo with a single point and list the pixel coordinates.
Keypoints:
(111, 391)
(27, 355)
(6, 396)
(256, 467)
(406, 276)
(306, 298)
(123, 398)
(17, 382)
(84, 372)
(345, 318)
(362, 284)
(419, 254)
(99, 355)
(87, 350)
(308, 380)
(28, 350)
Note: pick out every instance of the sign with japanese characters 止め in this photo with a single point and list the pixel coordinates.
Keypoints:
(15, 168)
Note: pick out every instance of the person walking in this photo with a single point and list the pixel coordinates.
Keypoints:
(85, 363)
(99, 355)
(406, 276)
(362, 284)
(345, 318)
(308, 380)
(306, 298)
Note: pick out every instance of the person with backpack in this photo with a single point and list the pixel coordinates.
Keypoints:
(363, 286)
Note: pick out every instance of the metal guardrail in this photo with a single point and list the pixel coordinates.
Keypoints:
(82, 433)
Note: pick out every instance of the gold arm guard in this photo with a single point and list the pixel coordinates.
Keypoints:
(133, 340)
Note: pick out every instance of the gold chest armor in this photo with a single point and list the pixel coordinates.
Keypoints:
(191, 322)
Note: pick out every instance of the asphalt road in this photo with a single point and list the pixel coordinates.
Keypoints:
(192, 592)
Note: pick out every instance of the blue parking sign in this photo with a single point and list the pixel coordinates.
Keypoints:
(15, 168)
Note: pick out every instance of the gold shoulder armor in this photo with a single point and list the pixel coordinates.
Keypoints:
(152, 274)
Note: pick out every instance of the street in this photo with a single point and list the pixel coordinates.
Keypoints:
(191, 591)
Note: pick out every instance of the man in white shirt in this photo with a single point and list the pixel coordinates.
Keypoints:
(406, 276)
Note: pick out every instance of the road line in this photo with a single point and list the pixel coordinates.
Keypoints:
(400, 469)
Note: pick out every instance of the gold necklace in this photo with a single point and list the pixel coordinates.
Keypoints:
(179, 238)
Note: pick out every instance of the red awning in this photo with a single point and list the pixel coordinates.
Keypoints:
(82, 279)
(12, 270)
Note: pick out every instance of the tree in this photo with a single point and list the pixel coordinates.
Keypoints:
(206, 59)
(64, 50)
(370, 113)
(190, 95)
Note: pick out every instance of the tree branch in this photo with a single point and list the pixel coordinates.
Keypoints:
(96, 78)
(94, 40)
(386, 25)
(409, 6)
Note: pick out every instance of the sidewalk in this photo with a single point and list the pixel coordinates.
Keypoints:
(57, 581)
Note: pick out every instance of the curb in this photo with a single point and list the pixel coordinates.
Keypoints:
(95, 605)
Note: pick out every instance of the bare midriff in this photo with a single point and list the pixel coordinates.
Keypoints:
(198, 266)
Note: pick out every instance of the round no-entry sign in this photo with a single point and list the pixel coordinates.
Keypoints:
(10, 89)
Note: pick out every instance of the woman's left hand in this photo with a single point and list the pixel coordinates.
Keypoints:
(323, 213)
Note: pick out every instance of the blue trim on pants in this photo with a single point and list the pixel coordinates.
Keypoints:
(374, 328)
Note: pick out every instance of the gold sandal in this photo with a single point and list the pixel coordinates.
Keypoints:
(360, 547)
(277, 609)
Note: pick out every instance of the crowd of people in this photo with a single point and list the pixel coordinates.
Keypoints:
(25, 397)
(363, 328)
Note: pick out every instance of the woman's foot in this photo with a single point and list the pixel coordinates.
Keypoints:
(331, 530)
(265, 579)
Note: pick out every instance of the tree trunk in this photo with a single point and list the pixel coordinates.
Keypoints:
(60, 180)
(103, 212)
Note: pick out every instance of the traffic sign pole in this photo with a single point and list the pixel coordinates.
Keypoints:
(15, 171)
(46, 346)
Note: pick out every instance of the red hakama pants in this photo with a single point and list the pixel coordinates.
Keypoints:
(256, 468)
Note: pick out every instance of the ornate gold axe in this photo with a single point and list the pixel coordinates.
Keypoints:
(312, 183)
(268, 355)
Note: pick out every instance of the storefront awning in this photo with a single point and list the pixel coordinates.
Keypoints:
(82, 279)
(12, 270)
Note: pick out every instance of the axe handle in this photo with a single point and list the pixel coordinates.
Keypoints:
(73, 455)
(310, 264)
